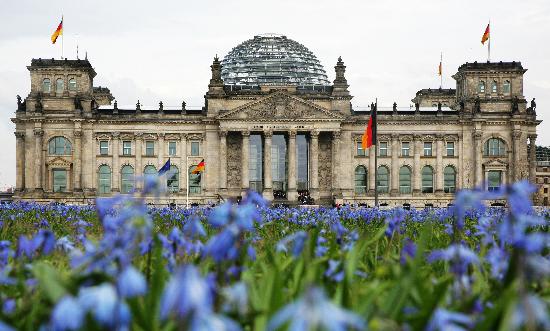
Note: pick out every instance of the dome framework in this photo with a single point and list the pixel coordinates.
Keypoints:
(272, 59)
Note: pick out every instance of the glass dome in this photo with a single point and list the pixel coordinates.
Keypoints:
(272, 59)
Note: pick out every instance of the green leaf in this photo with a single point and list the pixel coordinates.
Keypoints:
(50, 281)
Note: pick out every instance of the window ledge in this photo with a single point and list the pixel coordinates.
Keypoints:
(451, 157)
(428, 156)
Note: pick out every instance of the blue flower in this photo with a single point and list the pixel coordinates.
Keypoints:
(459, 255)
(314, 311)
(498, 260)
(8, 306)
(236, 298)
(186, 292)
(334, 271)
(530, 310)
(444, 320)
(193, 227)
(296, 241)
(5, 327)
(67, 314)
(408, 251)
(106, 307)
(131, 283)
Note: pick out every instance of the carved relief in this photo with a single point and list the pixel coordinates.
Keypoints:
(234, 163)
(325, 162)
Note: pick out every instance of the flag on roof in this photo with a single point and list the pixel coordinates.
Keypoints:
(58, 31)
(486, 35)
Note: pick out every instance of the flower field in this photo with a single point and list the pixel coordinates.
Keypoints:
(121, 265)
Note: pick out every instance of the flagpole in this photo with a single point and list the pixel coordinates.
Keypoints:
(62, 36)
(489, 46)
(375, 155)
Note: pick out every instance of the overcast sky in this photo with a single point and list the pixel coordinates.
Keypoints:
(162, 50)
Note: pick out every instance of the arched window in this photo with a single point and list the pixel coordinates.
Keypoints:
(481, 86)
(449, 179)
(46, 85)
(383, 180)
(405, 180)
(72, 84)
(506, 87)
(427, 180)
(494, 147)
(149, 170)
(127, 179)
(59, 85)
(173, 179)
(194, 181)
(59, 146)
(104, 179)
(360, 180)
(494, 87)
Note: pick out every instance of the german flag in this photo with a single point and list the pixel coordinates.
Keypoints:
(58, 31)
(369, 137)
(486, 35)
(199, 168)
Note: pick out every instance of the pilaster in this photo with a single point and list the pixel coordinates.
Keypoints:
(314, 165)
(245, 159)
(268, 180)
(292, 194)
(20, 161)
(38, 164)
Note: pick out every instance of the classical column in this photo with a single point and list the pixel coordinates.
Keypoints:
(314, 165)
(161, 159)
(532, 158)
(184, 167)
(139, 166)
(115, 187)
(417, 169)
(394, 170)
(516, 135)
(372, 169)
(439, 165)
(38, 134)
(268, 180)
(292, 194)
(20, 161)
(245, 159)
(77, 161)
(223, 159)
(335, 162)
(478, 157)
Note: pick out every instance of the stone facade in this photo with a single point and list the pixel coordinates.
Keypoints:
(73, 144)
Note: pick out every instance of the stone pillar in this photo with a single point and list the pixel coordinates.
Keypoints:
(417, 169)
(478, 157)
(372, 169)
(314, 165)
(439, 165)
(161, 159)
(245, 159)
(89, 151)
(292, 193)
(268, 180)
(20, 162)
(394, 170)
(77, 161)
(139, 166)
(336, 171)
(532, 158)
(516, 135)
(38, 134)
(115, 187)
(223, 159)
(184, 167)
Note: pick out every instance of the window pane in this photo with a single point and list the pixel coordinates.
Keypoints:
(194, 181)
(59, 86)
(104, 179)
(405, 147)
(172, 181)
(506, 87)
(494, 180)
(127, 179)
(450, 149)
(427, 180)
(171, 148)
(427, 149)
(59, 180)
(405, 180)
(72, 84)
(383, 179)
(360, 150)
(149, 148)
(494, 87)
(59, 146)
(449, 180)
(150, 170)
(383, 149)
(103, 147)
(46, 85)
(360, 180)
(195, 148)
(126, 147)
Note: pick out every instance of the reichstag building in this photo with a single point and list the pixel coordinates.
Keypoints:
(274, 123)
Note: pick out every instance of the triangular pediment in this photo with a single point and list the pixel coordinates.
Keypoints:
(280, 105)
(495, 163)
(59, 161)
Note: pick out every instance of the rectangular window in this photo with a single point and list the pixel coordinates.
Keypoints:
(383, 149)
(149, 148)
(59, 180)
(171, 148)
(195, 148)
(104, 147)
(126, 148)
(427, 149)
(405, 148)
(494, 180)
(450, 148)
(360, 150)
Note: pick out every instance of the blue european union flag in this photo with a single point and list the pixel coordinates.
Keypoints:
(165, 167)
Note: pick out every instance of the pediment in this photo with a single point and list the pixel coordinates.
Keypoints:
(280, 106)
(495, 163)
(59, 162)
